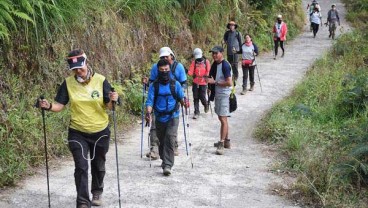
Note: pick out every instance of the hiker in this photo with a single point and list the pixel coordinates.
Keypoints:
(177, 72)
(310, 9)
(332, 18)
(219, 83)
(199, 69)
(280, 31)
(316, 20)
(164, 96)
(233, 39)
(248, 50)
(89, 94)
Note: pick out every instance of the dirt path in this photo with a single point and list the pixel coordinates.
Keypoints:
(240, 178)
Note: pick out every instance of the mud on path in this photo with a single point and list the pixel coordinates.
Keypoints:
(240, 178)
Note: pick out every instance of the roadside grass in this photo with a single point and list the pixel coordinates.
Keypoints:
(322, 126)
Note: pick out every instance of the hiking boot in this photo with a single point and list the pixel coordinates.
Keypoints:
(152, 154)
(274, 58)
(220, 148)
(227, 144)
(206, 108)
(195, 116)
(329, 36)
(167, 171)
(83, 206)
(176, 151)
(244, 91)
(282, 55)
(96, 199)
(251, 87)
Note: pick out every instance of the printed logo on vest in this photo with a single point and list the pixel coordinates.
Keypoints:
(95, 94)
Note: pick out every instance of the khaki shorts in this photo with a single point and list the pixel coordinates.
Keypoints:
(222, 106)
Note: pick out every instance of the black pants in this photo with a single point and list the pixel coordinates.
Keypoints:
(233, 59)
(80, 144)
(199, 93)
(155, 142)
(315, 28)
(277, 46)
(167, 134)
(248, 69)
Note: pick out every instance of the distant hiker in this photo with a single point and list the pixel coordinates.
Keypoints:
(248, 50)
(332, 18)
(89, 94)
(220, 83)
(280, 31)
(316, 20)
(311, 8)
(177, 72)
(199, 69)
(164, 96)
(233, 39)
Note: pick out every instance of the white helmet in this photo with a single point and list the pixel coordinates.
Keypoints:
(197, 53)
(166, 51)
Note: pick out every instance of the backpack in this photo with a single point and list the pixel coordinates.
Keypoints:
(195, 66)
(173, 68)
(156, 86)
(212, 86)
(237, 35)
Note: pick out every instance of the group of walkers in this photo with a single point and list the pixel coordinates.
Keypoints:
(89, 94)
(315, 18)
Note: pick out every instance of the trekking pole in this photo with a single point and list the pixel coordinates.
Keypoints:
(188, 97)
(45, 141)
(190, 144)
(149, 124)
(185, 133)
(259, 79)
(116, 146)
(143, 92)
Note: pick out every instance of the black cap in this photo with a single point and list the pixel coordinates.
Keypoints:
(217, 49)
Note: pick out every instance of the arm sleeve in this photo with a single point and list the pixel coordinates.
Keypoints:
(191, 68)
(106, 90)
(255, 48)
(151, 95)
(62, 95)
(227, 69)
(225, 36)
(154, 71)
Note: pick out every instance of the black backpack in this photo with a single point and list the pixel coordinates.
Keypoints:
(156, 86)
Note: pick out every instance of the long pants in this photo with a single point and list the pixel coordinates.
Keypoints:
(155, 142)
(277, 46)
(233, 59)
(247, 69)
(315, 28)
(167, 135)
(199, 93)
(80, 144)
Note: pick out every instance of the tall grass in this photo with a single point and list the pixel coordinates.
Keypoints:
(322, 127)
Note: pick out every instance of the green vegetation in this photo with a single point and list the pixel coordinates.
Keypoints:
(322, 127)
(121, 38)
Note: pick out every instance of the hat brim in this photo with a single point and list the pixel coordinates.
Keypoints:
(165, 53)
(228, 26)
(197, 56)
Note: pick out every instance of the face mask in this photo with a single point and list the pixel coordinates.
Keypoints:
(81, 80)
(279, 21)
(163, 77)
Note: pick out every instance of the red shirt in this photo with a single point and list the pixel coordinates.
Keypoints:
(200, 70)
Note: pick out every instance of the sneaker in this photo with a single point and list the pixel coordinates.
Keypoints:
(206, 108)
(167, 171)
(244, 91)
(274, 57)
(195, 116)
(251, 88)
(282, 55)
(83, 206)
(227, 144)
(329, 36)
(96, 199)
(153, 155)
(220, 148)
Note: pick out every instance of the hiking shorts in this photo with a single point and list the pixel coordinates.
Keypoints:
(332, 27)
(222, 106)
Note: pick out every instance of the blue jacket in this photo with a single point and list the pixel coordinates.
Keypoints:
(164, 103)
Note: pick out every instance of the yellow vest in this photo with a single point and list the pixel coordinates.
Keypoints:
(88, 113)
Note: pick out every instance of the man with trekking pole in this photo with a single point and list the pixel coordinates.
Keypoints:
(177, 72)
(233, 39)
(219, 85)
(165, 95)
(89, 94)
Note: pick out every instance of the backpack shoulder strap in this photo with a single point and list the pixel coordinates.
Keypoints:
(156, 86)
(175, 64)
(173, 89)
